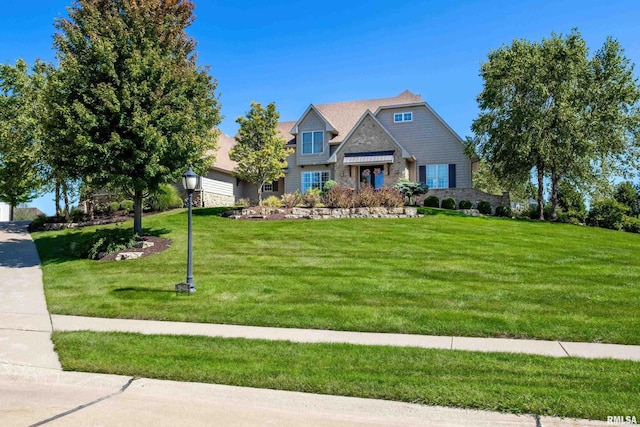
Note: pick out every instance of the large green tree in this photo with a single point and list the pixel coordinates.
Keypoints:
(260, 151)
(550, 110)
(21, 171)
(135, 107)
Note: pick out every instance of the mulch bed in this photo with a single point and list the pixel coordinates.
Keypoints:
(160, 244)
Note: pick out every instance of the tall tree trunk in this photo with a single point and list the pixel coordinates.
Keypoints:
(12, 206)
(65, 194)
(554, 195)
(260, 194)
(540, 172)
(57, 199)
(137, 212)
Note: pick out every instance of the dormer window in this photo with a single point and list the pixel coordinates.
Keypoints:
(312, 142)
(402, 117)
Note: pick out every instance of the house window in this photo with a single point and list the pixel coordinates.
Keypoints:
(402, 117)
(438, 176)
(312, 142)
(270, 186)
(314, 180)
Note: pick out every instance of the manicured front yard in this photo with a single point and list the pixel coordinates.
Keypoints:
(441, 275)
(566, 387)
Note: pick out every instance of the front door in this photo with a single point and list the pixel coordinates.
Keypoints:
(372, 175)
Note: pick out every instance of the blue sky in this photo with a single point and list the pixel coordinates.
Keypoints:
(299, 52)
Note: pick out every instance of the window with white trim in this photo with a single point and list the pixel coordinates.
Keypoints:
(315, 179)
(403, 117)
(312, 142)
(438, 176)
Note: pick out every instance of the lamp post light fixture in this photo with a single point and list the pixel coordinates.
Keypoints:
(189, 182)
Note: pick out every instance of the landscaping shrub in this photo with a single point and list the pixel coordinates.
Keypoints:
(272, 202)
(105, 240)
(38, 222)
(631, 224)
(465, 204)
(367, 197)
(126, 205)
(504, 211)
(390, 197)
(448, 203)
(290, 200)
(167, 197)
(114, 206)
(484, 207)
(432, 202)
(410, 189)
(311, 198)
(328, 186)
(607, 214)
(341, 196)
(572, 216)
(243, 202)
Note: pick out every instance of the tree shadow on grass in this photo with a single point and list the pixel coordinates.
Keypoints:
(60, 247)
(212, 211)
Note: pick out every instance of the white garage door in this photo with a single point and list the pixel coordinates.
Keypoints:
(217, 187)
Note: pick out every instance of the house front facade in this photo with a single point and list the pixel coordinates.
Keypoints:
(375, 142)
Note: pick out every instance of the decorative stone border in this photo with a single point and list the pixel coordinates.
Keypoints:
(263, 212)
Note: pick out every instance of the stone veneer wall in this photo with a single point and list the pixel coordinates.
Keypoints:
(259, 212)
(215, 200)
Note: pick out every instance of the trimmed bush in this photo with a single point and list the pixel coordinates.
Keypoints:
(38, 222)
(290, 200)
(311, 198)
(465, 204)
(243, 202)
(448, 203)
(390, 197)
(432, 202)
(367, 197)
(126, 205)
(328, 186)
(167, 197)
(484, 207)
(272, 202)
(114, 206)
(341, 196)
(504, 211)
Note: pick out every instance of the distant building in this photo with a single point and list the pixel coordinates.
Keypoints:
(4, 212)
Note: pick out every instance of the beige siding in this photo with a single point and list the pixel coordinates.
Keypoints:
(429, 140)
(312, 122)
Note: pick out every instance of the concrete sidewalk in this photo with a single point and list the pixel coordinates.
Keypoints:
(540, 347)
(35, 391)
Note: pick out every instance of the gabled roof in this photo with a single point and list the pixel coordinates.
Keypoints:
(223, 161)
(367, 113)
(284, 129)
(341, 117)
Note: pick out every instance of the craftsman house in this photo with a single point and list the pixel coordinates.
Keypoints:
(375, 142)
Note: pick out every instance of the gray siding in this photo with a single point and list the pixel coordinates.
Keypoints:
(238, 188)
(312, 122)
(429, 141)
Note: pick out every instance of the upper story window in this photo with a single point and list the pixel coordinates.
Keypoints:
(402, 117)
(312, 142)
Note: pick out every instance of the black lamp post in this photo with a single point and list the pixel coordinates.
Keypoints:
(189, 182)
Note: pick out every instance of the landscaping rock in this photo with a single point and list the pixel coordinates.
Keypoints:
(143, 244)
(123, 256)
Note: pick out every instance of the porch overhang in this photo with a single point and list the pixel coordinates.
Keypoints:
(369, 158)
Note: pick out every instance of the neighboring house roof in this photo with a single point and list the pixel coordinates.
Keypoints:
(284, 129)
(343, 116)
(223, 161)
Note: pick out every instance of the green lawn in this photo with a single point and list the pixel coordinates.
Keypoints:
(567, 387)
(441, 274)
